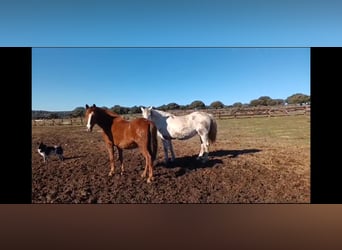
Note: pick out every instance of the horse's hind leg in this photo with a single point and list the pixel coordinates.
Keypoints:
(206, 149)
(150, 169)
(171, 150)
(204, 152)
(148, 165)
(201, 151)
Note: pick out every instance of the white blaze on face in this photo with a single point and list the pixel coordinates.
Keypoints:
(89, 120)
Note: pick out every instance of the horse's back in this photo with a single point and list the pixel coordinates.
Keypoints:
(130, 133)
(140, 125)
(141, 122)
(199, 118)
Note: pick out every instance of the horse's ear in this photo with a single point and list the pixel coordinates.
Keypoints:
(94, 106)
(150, 108)
(142, 109)
(87, 106)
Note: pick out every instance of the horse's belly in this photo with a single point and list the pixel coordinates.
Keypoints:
(183, 134)
(128, 145)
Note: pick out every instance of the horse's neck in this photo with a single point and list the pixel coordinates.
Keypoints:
(161, 114)
(112, 114)
(106, 120)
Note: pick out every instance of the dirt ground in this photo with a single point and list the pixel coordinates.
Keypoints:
(258, 171)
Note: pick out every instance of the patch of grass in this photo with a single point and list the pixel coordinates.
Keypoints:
(289, 130)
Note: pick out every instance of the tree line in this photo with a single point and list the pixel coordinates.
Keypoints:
(297, 98)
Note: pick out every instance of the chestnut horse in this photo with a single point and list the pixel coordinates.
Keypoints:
(116, 131)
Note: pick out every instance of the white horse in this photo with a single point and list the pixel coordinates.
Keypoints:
(183, 127)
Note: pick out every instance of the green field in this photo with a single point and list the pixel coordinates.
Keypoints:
(289, 130)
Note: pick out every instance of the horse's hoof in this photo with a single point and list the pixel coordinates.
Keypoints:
(149, 181)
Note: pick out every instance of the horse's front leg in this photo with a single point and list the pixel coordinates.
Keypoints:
(165, 146)
(110, 150)
(121, 160)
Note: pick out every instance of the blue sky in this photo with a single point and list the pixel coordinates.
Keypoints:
(66, 78)
(170, 23)
(251, 64)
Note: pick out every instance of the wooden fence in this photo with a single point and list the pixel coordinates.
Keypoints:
(227, 113)
(58, 122)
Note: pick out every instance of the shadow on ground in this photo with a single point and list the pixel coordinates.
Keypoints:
(188, 163)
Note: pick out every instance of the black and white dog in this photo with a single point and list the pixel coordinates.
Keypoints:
(46, 151)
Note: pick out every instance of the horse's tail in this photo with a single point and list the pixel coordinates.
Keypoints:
(153, 141)
(213, 129)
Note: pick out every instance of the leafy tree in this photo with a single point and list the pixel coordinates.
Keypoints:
(116, 109)
(197, 105)
(264, 100)
(278, 101)
(134, 110)
(78, 112)
(217, 105)
(53, 115)
(261, 101)
(172, 106)
(254, 102)
(162, 107)
(297, 99)
(237, 105)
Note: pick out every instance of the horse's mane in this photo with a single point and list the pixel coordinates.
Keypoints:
(162, 113)
(109, 112)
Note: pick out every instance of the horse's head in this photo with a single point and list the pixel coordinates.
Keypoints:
(90, 117)
(146, 112)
